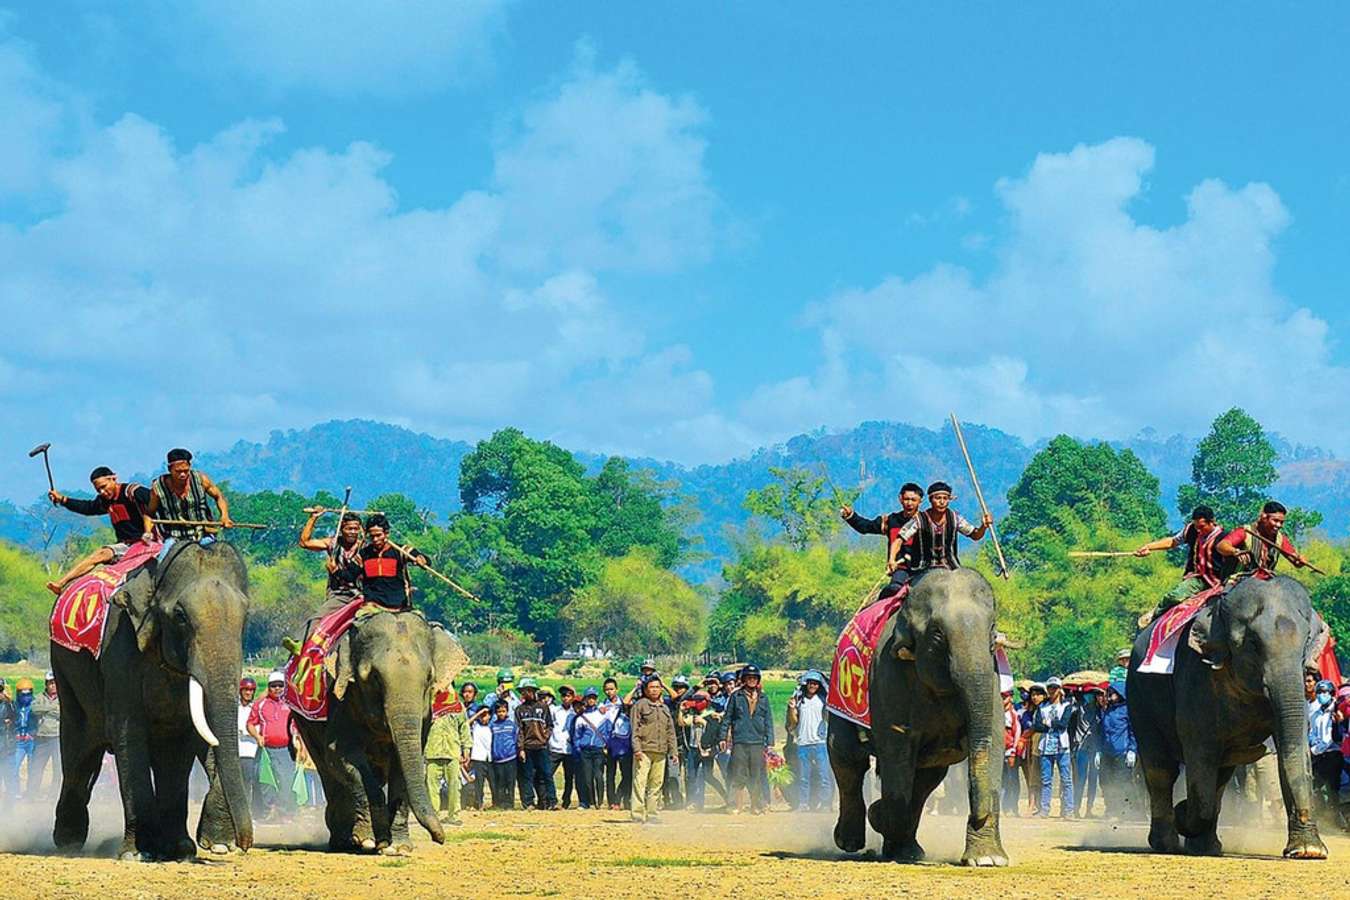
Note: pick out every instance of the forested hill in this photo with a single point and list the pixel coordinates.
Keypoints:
(875, 457)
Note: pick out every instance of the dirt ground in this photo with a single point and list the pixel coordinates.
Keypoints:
(600, 854)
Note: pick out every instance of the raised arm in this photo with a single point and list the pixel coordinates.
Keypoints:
(307, 539)
(875, 525)
(217, 495)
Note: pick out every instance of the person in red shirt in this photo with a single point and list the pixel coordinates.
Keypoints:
(1256, 548)
(269, 725)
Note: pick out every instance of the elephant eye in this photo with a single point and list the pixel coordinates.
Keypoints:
(180, 616)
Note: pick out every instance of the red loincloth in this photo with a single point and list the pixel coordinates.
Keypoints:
(1162, 643)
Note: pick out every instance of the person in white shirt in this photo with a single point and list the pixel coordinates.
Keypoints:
(248, 747)
(480, 757)
(560, 741)
(806, 715)
(1325, 748)
(1053, 720)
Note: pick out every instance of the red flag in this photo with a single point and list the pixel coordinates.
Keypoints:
(1327, 663)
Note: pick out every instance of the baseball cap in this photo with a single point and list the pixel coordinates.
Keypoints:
(680, 681)
(1054, 681)
(528, 682)
(590, 692)
(728, 678)
(276, 678)
(1037, 686)
(504, 675)
(649, 663)
(749, 670)
(50, 676)
(1123, 651)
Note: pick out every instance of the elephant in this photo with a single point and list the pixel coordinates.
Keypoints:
(384, 670)
(162, 692)
(935, 701)
(1242, 685)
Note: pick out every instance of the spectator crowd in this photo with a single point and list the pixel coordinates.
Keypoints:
(708, 744)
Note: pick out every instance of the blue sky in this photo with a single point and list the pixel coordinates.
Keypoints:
(683, 232)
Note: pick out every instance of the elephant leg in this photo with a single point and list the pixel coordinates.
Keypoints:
(888, 815)
(907, 842)
(369, 819)
(81, 762)
(1160, 775)
(82, 745)
(171, 761)
(399, 840)
(215, 826)
(128, 732)
(1197, 816)
(849, 761)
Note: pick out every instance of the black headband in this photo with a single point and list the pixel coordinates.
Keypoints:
(178, 454)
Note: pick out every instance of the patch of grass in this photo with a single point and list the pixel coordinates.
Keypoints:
(671, 862)
(452, 837)
(393, 863)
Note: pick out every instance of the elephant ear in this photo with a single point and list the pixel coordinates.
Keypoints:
(137, 597)
(1319, 633)
(448, 658)
(337, 663)
(1213, 634)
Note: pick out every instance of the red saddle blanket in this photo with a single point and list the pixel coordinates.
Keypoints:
(1162, 643)
(851, 672)
(81, 612)
(306, 690)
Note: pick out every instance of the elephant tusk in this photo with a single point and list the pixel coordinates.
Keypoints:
(197, 707)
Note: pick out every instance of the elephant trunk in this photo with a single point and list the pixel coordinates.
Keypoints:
(977, 687)
(222, 707)
(405, 727)
(1284, 687)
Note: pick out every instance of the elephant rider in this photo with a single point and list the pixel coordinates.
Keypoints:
(181, 494)
(344, 569)
(126, 506)
(343, 563)
(898, 553)
(1253, 555)
(1200, 536)
(934, 532)
(384, 566)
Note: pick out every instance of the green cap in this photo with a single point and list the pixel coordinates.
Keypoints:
(505, 675)
(528, 682)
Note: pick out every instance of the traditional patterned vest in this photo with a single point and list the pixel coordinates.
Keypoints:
(891, 525)
(1200, 562)
(125, 513)
(1263, 555)
(195, 506)
(933, 547)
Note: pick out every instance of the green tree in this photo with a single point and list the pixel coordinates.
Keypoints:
(283, 511)
(799, 501)
(1232, 470)
(27, 606)
(1070, 491)
(637, 606)
(629, 512)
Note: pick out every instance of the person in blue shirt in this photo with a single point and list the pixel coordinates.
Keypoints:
(590, 735)
(619, 746)
(1118, 754)
(1052, 722)
(505, 755)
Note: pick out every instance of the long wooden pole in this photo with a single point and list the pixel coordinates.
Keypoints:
(208, 524)
(407, 554)
(337, 532)
(979, 494)
(1280, 550)
(1098, 554)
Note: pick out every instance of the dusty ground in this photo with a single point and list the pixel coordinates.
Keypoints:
(599, 854)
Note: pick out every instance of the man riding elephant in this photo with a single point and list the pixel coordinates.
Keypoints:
(1236, 680)
(127, 509)
(160, 694)
(934, 532)
(1202, 571)
(931, 708)
(385, 671)
(181, 495)
(1256, 549)
(898, 552)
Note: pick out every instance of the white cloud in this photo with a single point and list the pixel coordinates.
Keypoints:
(1091, 321)
(342, 47)
(196, 294)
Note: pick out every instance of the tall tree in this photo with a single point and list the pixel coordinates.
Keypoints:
(800, 502)
(1070, 491)
(638, 607)
(1232, 471)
